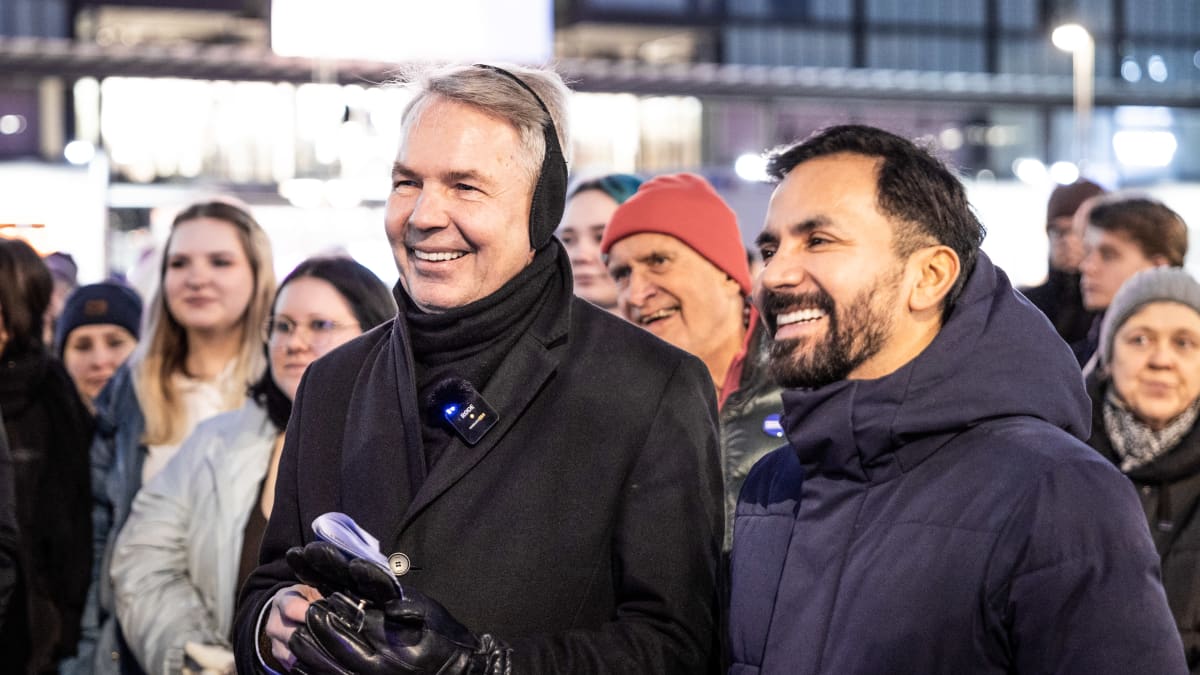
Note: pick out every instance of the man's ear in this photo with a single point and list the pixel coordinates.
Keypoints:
(1160, 260)
(937, 268)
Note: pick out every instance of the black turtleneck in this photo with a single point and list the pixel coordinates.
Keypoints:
(472, 340)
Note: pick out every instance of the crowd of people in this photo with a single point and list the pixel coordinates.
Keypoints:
(581, 436)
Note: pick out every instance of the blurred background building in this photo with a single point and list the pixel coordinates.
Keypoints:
(115, 113)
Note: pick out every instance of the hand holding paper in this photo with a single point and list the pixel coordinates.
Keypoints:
(368, 623)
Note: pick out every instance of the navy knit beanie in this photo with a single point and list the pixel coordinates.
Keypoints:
(105, 302)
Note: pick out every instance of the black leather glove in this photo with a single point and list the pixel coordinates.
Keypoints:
(382, 628)
(321, 565)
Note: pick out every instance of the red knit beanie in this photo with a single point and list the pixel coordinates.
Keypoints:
(684, 206)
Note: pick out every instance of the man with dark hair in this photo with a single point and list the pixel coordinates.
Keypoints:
(1059, 297)
(541, 477)
(935, 509)
(1124, 236)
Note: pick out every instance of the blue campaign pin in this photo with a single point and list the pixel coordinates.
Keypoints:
(772, 427)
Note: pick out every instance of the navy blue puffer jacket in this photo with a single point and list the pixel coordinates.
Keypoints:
(948, 518)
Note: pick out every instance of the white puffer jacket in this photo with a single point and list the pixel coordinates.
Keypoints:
(174, 569)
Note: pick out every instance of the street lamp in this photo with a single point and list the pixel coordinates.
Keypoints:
(1078, 41)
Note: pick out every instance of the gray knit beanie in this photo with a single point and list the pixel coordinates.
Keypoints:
(1172, 284)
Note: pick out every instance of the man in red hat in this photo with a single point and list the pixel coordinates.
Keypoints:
(676, 254)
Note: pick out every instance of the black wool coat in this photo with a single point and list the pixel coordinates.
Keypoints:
(584, 529)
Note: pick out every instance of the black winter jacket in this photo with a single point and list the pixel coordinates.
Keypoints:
(49, 431)
(1169, 488)
(749, 422)
(9, 543)
(1062, 302)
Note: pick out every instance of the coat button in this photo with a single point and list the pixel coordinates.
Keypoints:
(399, 563)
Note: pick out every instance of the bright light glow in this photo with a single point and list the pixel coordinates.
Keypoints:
(1196, 59)
(1130, 70)
(520, 31)
(751, 167)
(159, 127)
(1143, 117)
(11, 124)
(1064, 173)
(1070, 37)
(606, 132)
(303, 193)
(86, 93)
(1145, 148)
(1000, 135)
(79, 152)
(951, 138)
(1156, 68)
(1030, 170)
(341, 194)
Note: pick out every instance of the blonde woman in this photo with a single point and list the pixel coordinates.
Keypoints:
(199, 352)
(193, 532)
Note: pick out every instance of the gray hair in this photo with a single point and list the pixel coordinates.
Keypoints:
(497, 95)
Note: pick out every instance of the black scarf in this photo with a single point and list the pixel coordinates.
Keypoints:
(471, 341)
(384, 422)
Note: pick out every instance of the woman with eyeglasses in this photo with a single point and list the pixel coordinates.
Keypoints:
(198, 353)
(194, 531)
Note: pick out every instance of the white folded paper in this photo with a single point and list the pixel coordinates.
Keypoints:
(340, 530)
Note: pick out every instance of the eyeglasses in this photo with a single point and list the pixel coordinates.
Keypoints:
(320, 331)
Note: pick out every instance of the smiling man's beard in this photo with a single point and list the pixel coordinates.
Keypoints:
(853, 336)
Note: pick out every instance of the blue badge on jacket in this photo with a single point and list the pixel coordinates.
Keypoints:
(772, 427)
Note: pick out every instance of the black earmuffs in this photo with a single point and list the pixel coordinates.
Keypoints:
(550, 193)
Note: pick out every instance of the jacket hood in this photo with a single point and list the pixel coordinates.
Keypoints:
(995, 357)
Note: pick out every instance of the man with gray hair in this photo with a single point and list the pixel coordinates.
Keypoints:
(537, 514)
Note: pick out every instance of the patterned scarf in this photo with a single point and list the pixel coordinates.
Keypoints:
(1135, 443)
